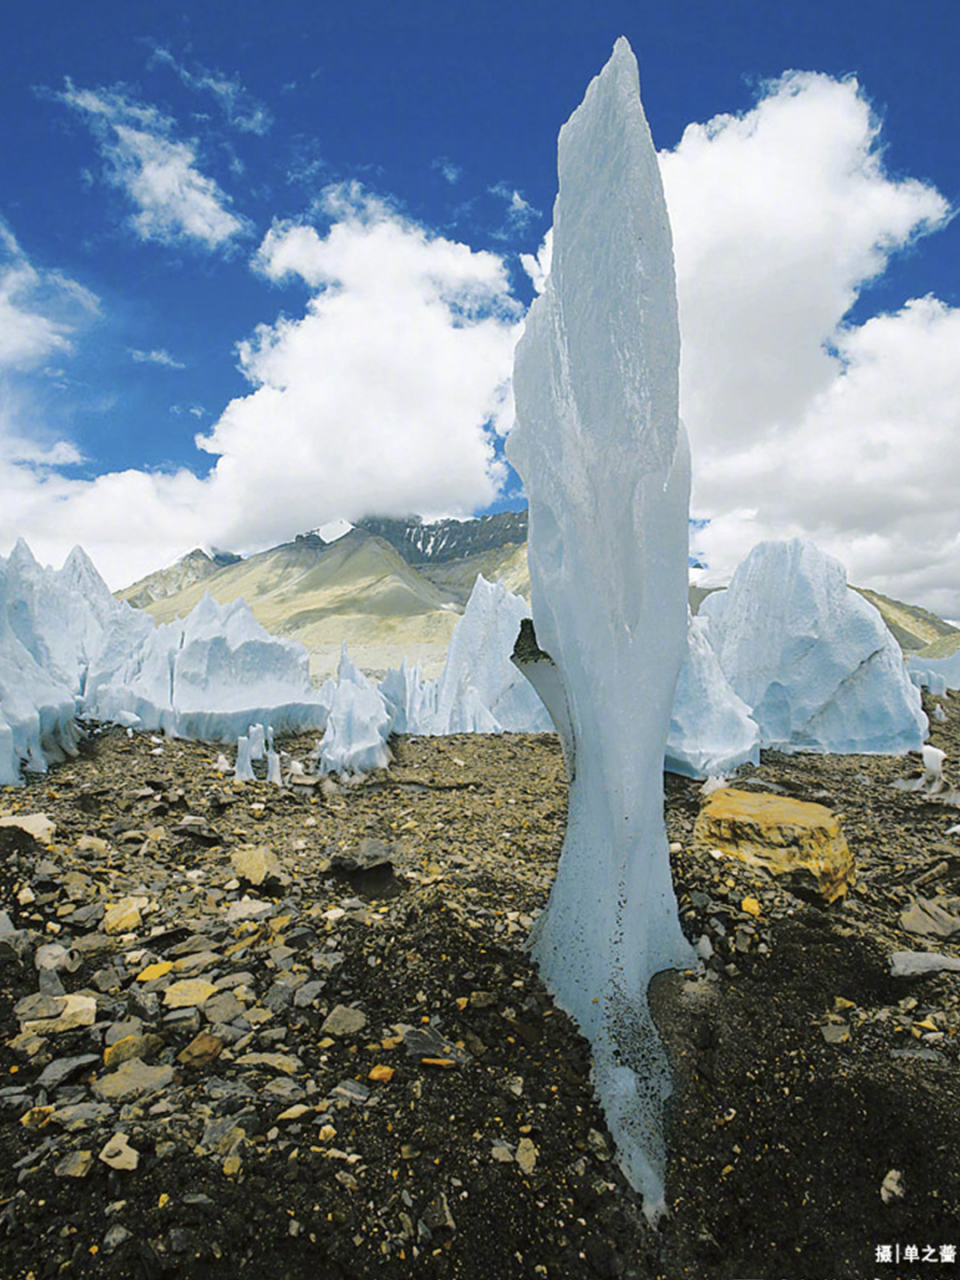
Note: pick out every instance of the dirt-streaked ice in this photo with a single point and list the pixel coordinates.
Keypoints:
(605, 463)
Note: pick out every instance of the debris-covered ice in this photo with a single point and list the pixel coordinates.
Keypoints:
(596, 385)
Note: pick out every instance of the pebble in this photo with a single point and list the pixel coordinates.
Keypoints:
(119, 1154)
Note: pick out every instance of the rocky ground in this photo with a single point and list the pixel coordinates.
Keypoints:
(252, 1032)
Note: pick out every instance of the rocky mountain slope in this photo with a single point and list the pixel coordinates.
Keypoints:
(394, 589)
(190, 569)
(446, 540)
(357, 589)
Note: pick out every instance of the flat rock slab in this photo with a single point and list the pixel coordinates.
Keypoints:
(202, 1050)
(76, 1164)
(343, 1021)
(118, 1153)
(932, 918)
(124, 916)
(248, 909)
(61, 1070)
(143, 1047)
(131, 1080)
(37, 825)
(61, 1013)
(256, 864)
(188, 994)
(799, 842)
(913, 964)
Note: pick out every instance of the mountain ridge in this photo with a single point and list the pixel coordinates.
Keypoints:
(394, 588)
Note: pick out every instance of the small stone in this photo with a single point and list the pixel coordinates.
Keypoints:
(892, 1187)
(256, 864)
(60, 1070)
(188, 994)
(232, 1166)
(118, 1030)
(143, 1047)
(284, 1062)
(36, 1117)
(751, 906)
(502, 1153)
(119, 1154)
(201, 1051)
(248, 909)
(835, 1032)
(124, 916)
(115, 1237)
(343, 1021)
(526, 1156)
(382, 1075)
(131, 1080)
(152, 971)
(296, 1112)
(76, 1164)
(72, 1011)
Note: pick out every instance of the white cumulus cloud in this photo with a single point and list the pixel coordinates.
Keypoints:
(800, 421)
(384, 393)
(175, 202)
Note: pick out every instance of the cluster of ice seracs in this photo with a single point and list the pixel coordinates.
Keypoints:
(68, 649)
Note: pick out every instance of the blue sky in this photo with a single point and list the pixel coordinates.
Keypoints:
(315, 215)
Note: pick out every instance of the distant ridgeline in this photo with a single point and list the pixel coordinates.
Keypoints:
(421, 543)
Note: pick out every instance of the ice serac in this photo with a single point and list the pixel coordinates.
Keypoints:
(605, 463)
(936, 674)
(711, 729)
(480, 690)
(813, 660)
(358, 726)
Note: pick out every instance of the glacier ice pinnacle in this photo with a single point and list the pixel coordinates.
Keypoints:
(605, 463)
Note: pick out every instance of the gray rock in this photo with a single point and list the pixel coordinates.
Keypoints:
(61, 1070)
(131, 1080)
(119, 1030)
(352, 1090)
(308, 993)
(223, 1008)
(115, 1237)
(344, 1021)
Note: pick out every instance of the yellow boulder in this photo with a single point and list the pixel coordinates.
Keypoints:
(793, 839)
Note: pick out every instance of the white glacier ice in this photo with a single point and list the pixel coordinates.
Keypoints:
(212, 675)
(711, 729)
(243, 769)
(936, 674)
(812, 659)
(411, 701)
(67, 647)
(258, 742)
(605, 463)
(480, 690)
(358, 725)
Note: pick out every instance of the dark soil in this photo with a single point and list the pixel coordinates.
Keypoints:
(484, 1155)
